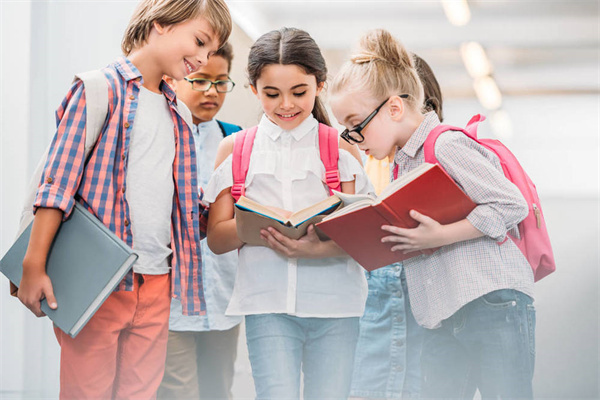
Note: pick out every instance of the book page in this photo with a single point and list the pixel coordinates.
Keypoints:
(357, 205)
(348, 198)
(275, 213)
(319, 208)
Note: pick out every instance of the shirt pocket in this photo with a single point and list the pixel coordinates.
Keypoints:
(261, 163)
(306, 164)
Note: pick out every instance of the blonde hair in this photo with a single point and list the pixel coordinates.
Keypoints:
(383, 68)
(171, 12)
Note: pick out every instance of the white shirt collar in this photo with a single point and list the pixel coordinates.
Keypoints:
(274, 131)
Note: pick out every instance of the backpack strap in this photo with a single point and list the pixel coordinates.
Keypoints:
(96, 108)
(96, 105)
(228, 129)
(329, 152)
(242, 150)
(429, 144)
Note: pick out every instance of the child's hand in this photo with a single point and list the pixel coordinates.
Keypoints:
(35, 286)
(429, 234)
(305, 247)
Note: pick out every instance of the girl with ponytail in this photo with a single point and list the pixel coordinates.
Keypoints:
(475, 294)
(301, 299)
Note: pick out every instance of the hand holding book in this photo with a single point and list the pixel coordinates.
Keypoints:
(252, 217)
(357, 227)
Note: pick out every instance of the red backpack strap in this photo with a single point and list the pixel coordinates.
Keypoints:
(329, 152)
(242, 149)
(429, 145)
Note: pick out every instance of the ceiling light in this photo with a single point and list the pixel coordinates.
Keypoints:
(488, 93)
(501, 125)
(457, 11)
(475, 59)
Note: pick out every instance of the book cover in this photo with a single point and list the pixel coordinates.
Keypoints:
(356, 227)
(85, 263)
(251, 217)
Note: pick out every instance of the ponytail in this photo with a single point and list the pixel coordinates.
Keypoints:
(383, 67)
(320, 113)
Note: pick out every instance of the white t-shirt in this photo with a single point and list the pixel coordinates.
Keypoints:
(286, 171)
(150, 186)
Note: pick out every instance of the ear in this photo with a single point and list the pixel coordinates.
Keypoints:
(254, 90)
(397, 108)
(159, 28)
(320, 87)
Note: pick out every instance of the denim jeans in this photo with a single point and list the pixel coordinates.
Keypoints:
(279, 345)
(387, 364)
(489, 344)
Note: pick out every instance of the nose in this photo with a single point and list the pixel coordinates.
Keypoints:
(286, 103)
(202, 57)
(212, 91)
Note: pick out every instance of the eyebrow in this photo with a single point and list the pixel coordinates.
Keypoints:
(292, 88)
(349, 117)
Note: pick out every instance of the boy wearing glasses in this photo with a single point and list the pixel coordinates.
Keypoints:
(201, 350)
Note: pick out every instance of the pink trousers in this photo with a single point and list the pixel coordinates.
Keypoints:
(120, 353)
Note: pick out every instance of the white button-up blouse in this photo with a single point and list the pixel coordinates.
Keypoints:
(286, 171)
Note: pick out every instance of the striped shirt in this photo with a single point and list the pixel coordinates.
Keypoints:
(100, 183)
(441, 283)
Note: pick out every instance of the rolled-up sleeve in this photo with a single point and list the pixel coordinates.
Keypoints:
(66, 157)
(500, 204)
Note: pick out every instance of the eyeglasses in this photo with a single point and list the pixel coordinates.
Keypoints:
(204, 85)
(354, 135)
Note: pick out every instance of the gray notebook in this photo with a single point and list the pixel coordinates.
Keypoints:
(85, 263)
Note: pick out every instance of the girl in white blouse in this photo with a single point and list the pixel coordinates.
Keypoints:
(302, 299)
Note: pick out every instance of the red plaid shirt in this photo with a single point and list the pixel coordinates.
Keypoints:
(100, 183)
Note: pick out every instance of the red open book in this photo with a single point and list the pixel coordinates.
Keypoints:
(356, 227)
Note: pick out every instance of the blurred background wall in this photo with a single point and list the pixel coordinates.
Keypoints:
(544, 77)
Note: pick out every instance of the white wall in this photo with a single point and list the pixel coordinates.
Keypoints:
(556, 139)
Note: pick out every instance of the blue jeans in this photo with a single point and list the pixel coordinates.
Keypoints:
(388, 355)
(279, 345)
(489, 344)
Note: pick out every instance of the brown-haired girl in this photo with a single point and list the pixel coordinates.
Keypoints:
(475, 293)
(301, 298)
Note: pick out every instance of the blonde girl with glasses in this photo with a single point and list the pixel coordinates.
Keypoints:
(474, 295)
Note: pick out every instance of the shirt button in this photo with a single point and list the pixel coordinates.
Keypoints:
(123, 190)
(126, 222)
(126, 125)
(132, 97)
(138, 79)
(49, 180)
(123, 156)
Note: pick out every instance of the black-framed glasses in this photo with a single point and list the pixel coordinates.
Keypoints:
(204, 85)
(355, 135)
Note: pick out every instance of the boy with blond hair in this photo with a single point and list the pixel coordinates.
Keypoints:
(140, 180)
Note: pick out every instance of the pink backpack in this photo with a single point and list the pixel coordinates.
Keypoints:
(534, 242)
(242, 149)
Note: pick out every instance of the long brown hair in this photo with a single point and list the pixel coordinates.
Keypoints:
(289, 46)
(433, 92)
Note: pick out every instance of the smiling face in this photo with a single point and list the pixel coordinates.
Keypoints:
(350, 109)
(204, 105)
(183, 48)
(287, 94)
